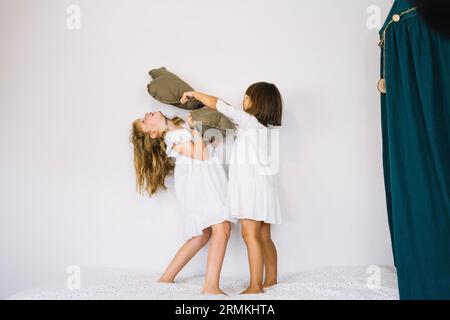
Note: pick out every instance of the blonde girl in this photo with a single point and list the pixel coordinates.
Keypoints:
(163, 147)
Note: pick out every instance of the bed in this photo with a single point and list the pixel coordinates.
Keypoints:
(330, 283)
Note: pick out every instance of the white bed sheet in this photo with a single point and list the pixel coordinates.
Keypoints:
(331, 283)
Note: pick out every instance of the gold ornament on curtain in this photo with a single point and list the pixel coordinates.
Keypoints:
(395, 18)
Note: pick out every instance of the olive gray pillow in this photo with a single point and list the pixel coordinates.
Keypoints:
(168, 88)
(207, 118)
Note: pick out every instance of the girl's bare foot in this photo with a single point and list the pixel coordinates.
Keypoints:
(163, 280)
(269, 284)
(213, 291)
(253, 290)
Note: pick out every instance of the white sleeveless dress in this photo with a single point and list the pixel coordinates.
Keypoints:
(200, 186)
(252, 177)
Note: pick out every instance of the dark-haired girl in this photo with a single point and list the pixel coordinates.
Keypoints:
(252, 193)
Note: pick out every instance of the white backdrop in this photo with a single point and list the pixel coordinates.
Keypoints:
(67, 100)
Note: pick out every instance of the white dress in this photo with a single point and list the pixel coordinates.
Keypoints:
(200, 186)
(252, 186)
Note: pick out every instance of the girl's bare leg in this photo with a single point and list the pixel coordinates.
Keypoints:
(184, 255)
(270, 256)
(216, 254)
(251, 232)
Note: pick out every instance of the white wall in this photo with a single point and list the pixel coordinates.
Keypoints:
(67, 100)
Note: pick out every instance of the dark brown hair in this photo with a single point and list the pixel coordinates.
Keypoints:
(266, 103)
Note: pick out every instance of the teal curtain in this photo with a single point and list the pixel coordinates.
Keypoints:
(416, 153)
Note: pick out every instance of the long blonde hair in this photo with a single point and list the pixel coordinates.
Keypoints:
(151, 163)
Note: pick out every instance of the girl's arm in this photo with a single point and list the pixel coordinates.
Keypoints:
(239, 117)
(207, 100)
(200, 149)
(195, 150)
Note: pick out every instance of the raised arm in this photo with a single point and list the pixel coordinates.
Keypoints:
(207, 100)
(240, 117)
